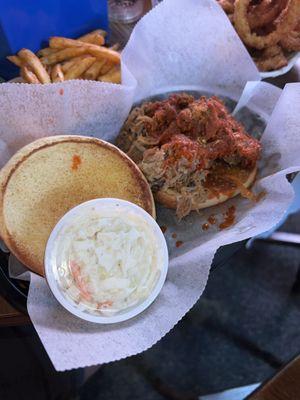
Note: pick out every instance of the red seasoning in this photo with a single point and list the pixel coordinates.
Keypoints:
(205, 226)
(76, 161)
(179, 243)
(229, 218)
(61, 91)
(212, 219)
(104, 304)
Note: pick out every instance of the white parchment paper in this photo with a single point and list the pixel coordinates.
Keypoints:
(73, 343)
(28, 112)
(177, 45)
(188, 44)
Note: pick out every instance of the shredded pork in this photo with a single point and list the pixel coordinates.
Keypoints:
(176, 141)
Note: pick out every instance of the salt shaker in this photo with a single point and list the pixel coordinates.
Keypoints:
(125, 11)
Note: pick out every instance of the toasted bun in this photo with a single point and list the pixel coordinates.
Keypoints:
(169, 197)
(48, 177)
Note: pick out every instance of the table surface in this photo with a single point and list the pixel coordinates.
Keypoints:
(120, 33)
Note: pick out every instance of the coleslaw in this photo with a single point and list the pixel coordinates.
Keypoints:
(108, 260)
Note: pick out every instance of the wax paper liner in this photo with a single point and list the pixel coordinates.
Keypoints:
(73, 343)
(187, 44)
(154, 57)
(28, 112)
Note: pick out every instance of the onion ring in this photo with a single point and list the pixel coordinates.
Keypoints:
(263, 13)
(271, 58)
(292, 41)
(272, 51)
(286, 22)
(231, 19)
(227, 5)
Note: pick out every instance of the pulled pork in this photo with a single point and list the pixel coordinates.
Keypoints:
(176, 141)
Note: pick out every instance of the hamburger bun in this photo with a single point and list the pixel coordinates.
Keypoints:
(215, 195)
(48, 177)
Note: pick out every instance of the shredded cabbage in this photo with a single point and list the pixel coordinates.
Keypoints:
(108, 262)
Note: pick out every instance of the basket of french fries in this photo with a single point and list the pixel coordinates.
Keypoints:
(87, 57)
(73, 86)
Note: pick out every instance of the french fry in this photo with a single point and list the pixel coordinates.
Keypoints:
(59, 42)
(62, 55)
(57, 74)
(49, 69)
(66, 58)
(16, 60)
(85, 38)
(94, 70)
(94, 50)
(35, 64)
(107, 66)
(93, 38)
(104, 53)
(113, 76)
(79, 68)
(45, 52)
(28, 75)
(68, 64)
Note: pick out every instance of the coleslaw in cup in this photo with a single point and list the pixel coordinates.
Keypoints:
(106, 260)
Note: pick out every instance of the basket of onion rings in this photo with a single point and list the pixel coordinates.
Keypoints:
(270, 29)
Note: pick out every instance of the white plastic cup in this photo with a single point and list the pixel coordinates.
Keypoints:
(51, 267)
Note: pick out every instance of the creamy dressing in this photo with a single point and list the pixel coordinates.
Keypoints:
(108, 261)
